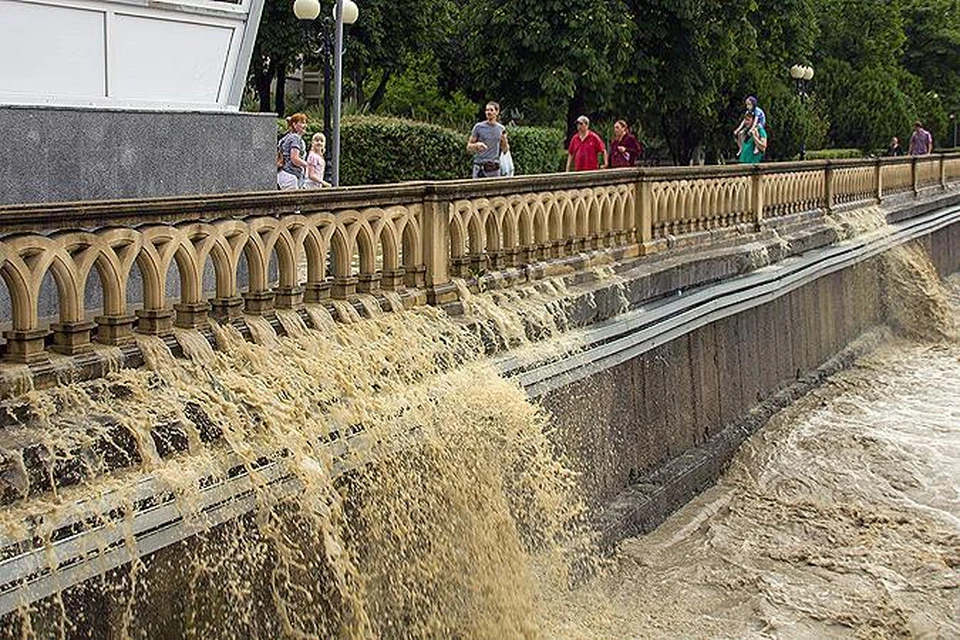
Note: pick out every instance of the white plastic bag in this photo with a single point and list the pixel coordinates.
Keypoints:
(506, 164)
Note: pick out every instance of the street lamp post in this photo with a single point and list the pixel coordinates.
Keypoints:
(344, 12)
(953, 119)
(802, 75)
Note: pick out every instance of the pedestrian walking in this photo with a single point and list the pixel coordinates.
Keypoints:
(585, 148)
(291, 154)
(625, 149)
(487, 141)
(921, 142)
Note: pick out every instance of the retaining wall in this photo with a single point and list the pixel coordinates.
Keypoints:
(650, 433)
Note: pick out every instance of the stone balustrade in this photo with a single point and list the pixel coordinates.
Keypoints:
(175, 262)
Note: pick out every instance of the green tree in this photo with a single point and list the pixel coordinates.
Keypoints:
(685, 54)
(386, 37)
(280, 41)
(546, 56)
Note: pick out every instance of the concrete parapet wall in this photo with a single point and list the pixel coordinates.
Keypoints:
(66, 154)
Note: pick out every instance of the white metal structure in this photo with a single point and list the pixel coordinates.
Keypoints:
(143, 54)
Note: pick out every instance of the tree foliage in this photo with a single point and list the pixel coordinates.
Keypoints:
(676, 69)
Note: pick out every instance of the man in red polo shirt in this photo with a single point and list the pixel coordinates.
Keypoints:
(584, 148)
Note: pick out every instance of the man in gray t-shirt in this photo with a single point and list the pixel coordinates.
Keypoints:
(488, 140)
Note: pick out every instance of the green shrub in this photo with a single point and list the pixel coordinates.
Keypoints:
(379, 150)
(833, 154)
(537, 149)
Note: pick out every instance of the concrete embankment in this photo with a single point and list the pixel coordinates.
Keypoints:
(657, 399)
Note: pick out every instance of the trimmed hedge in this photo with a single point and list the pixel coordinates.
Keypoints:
(379, 150)
(833, 154)
(537, 149)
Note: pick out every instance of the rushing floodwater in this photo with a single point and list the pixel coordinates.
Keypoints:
(841, 519)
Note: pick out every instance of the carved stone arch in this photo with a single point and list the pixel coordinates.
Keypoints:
(191, 274)
(365, 246)
(672, 205)
(491, 232)
(524, 228)
(88, 252)
(16, 276)
(41, 255)
(541, 225)
(556, 210)
(124, 245)
(340, 254)
(389, 247)
(576, 218)
(475, 233)
(69, 290)
(599, 210)
(510, 221)
(458, 235)
(149, 262)
(209, 241)
(617, 200)
(257, 265)
(409, 233)
(282, 242)
(315, 250)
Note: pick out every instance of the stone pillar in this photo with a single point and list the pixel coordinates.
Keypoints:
(828, 187)
(415, 276)
(226, 309)
(191, 315)
(914, 177)
(368, 282)
(644, 215)
(460, 266)
(511, 256)
(154, 322)
(436, 248)
(316, 291)
(343, 287)
(256, 303)
(115, 330)
(943, 171)
(25, 346)
(288, 297)
(756, 197)
(878, 180)
(392, 279)
(71, 338)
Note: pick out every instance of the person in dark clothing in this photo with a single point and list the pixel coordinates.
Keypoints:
(894, 148)
(625, 150)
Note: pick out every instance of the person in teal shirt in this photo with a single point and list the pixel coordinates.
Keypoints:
(756, 144)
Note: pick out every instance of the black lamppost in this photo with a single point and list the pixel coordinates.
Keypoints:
(344, 12)
(802, 75)
(953, 119)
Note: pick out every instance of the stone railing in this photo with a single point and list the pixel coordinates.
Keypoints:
(113, 268)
